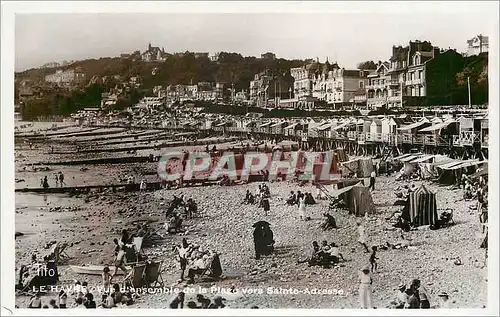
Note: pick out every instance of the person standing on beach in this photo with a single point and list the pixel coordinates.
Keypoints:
(362, 236)
(57, 180)
(45, 183)
(61, 179)
(365, 288)
(372, 180)
(302, 208)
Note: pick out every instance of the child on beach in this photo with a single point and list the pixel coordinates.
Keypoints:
(373, 259)
(106, 277)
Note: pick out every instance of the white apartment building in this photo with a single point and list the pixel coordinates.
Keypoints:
(477, 45)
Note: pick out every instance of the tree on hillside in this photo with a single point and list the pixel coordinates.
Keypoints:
(368, 65)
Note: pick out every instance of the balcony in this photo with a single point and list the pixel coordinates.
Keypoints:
(351, 135)
(394, 98)
(414, 82)
(376, 86)
(394, 83)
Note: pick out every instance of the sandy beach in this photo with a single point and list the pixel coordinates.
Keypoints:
(92, 220)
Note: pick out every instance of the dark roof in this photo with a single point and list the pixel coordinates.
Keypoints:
(353, 73)
(399, 53)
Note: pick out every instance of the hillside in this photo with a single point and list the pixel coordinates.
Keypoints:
(185, 69)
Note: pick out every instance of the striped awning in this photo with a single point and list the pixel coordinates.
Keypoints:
(413, 125)
(265, 124)
(278, 123)
(292, 126)
(438, 126)
(326, 126)
(422, 159)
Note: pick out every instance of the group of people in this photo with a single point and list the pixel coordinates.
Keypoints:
(201, 302)
(324, 255)
(59, 178)
(294, 199)
(416, 296)
(83, 299)
(195, 260)
(301, 200)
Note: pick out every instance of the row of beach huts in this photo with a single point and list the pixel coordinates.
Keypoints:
(459, 131)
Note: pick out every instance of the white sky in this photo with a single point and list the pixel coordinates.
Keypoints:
(343, 36)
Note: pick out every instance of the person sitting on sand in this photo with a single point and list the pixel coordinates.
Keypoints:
(292, 199)
(107, 301)
(329, 222)
(63, 298)
(401, 297)
(217, 304)
(199, 265)
(313, 259)
(204, 302)
(178, 301)
(412, 302)
(116, 294)
(249, 198)
(35, 301)
(79, 303)
(309, 199)
(335, 253)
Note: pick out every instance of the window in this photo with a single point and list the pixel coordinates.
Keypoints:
(420, 73)
(361, 84)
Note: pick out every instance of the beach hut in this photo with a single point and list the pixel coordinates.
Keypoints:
(484, 132)
(408, 131)
(376, 130)
(264, 127)
(421, 208)
(278, 127)
(439, 133)
(290, 129)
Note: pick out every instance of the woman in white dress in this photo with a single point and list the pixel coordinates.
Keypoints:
(365, 288)
(302, 208)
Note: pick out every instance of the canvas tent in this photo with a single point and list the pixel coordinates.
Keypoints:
(421, 208)
(359, 200)
(362, 167)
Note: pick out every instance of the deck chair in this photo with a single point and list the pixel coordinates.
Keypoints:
(138, 244)
(136, 276)
(213, 269)
(153, 274)
(58, 254)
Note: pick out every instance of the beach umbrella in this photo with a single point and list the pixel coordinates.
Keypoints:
(261, 223)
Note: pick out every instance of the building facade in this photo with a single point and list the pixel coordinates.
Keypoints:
(378, 87)
(477, 45)
(153, 54)
(268, 89)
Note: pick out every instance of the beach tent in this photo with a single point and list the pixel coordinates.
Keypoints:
(362, 167)
(359, 200)
(421, 208)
